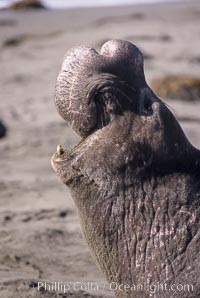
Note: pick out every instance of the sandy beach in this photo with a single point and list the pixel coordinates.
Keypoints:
(40, 234)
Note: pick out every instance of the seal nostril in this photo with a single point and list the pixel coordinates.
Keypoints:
(147, 106)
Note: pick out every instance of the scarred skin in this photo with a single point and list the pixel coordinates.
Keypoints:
(134, 177)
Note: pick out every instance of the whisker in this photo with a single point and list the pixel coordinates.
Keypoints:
(124, 83)
(102, 122)
(130, 100)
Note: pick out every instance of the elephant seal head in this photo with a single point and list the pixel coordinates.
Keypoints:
(134, 176)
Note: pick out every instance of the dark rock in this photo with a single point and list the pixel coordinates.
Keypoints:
(25, 4)
(14, 41)
(63, 213)
(3, 130)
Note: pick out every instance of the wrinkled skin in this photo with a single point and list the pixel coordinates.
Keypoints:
(134, 177)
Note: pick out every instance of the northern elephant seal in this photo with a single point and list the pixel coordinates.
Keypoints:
(134, 177)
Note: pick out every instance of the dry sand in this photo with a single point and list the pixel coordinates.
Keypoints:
(40, 234)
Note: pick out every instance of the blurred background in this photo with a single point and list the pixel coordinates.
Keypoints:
(61, 4)
(40, 237)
